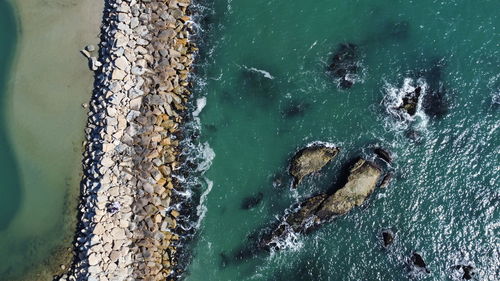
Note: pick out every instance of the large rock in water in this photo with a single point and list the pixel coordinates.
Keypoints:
(319, 209)
(310, 160)
(361, 183)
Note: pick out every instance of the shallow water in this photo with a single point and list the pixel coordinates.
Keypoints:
(8, 189)
(268, 94)
(42, 88)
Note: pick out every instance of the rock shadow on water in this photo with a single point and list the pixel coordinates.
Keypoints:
(435, 101)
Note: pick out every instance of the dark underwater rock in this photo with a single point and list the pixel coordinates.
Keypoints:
(418, 263)
(387, 237)
(310, 160)
(467, 271)
(345, 64)
(295, 109)
(252, 201)
(398, 30)
(386, 180)
(434, 102)
(383, 154)
(319, 209)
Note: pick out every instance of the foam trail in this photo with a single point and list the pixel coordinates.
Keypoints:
(201, 210)
(263, 72)
(200, 104)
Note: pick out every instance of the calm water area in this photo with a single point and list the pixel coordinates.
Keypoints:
(43, 82)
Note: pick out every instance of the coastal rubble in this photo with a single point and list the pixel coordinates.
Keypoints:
(128, 219)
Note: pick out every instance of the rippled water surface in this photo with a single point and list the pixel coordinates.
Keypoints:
(268, 94)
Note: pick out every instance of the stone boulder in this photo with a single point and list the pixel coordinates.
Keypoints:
(387, 237)
(310, 160)
(417, 263)
(362, 181)
(320, 209)
(411, 101)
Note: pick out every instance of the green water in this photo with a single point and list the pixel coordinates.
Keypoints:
(40, 170)
(444, 199)
(10, 193)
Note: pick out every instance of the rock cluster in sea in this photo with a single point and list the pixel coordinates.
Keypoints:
(128, 221)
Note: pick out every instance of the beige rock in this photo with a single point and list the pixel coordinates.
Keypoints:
(94, 259)
(118, 233)
(122, 63)
(118, 74)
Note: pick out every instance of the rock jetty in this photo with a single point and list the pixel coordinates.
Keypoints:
(128, 226)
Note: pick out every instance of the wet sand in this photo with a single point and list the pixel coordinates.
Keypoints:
(50, 81)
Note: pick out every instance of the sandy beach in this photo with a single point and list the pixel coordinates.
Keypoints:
(50, 82)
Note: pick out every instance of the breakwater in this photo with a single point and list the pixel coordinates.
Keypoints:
(128, 217)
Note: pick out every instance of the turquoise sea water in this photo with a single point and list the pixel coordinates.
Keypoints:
(263, 71)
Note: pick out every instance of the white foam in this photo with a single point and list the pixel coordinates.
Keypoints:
(200, 104)
(324, 143)
(263, 72)
(207, 155)
(313, 44)
(393, 100)
(290, 241)
(201, 209)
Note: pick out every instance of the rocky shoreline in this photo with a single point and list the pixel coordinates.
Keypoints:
(128, 220)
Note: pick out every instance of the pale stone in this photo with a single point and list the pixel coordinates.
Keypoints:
(99, 229)
(114, 256)
(118, 74)
(94, 259)
(134, 22)
(118, 233)
(111, 111)
(148, 188)
(122, 17)
(122, 63)
(135, 104)
(107, 162)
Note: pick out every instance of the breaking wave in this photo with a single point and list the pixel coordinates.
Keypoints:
(395, 99)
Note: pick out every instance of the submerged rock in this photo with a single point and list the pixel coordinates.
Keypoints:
(344, 65)
(467, 271)
(386, 180)
(252, 201)
(383, 154)
(295, 109)
(387, 237)
(310, 160)
(418, 263)
(320, 209)
(434, 101)
(398, 30)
